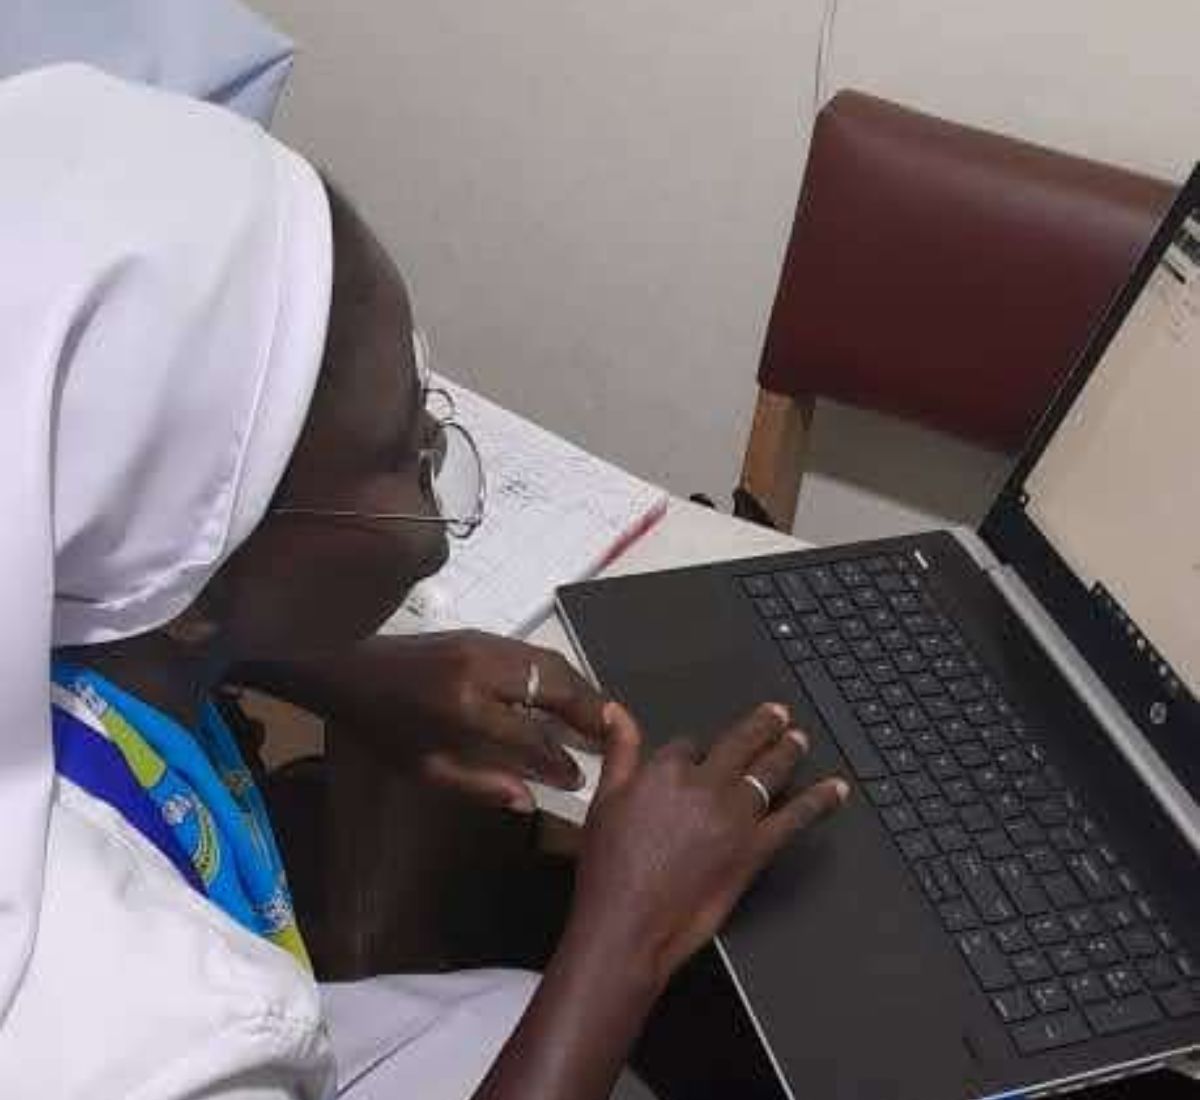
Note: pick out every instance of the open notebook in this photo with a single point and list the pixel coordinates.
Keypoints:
(555, 514)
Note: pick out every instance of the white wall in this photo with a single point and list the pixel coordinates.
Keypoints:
(592, 200)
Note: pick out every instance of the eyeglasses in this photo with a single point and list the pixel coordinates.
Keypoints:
(449, 464)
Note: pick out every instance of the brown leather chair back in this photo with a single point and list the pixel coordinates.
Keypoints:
(944, 274)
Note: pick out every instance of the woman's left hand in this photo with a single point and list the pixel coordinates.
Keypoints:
(453, 707)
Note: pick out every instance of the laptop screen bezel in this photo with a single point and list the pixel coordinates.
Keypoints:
(1017, 542)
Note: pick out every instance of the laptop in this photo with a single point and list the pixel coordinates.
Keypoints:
(1011, 904)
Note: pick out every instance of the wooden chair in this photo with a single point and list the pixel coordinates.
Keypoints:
(942, 274)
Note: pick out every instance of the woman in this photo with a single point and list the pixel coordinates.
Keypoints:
(207, 463)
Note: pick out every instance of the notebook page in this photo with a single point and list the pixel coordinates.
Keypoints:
(554, 515)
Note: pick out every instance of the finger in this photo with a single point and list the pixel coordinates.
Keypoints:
(774, 769)
(566, 694)
(800, 812)
(622, 751)
(490, 786)
(681, 749)
(529, 740)
(736, 749)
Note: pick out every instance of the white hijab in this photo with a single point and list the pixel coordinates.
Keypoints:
(165, 274)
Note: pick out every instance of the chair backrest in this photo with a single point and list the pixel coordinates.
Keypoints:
(945, 274)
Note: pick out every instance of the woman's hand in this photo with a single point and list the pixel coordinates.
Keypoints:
(452, 708)
(668, 848)
(469, 691)
(671, 844)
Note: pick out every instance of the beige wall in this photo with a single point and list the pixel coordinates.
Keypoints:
(591, 200)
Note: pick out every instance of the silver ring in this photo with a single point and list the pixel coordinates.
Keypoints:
(760, 788)
(533, 684)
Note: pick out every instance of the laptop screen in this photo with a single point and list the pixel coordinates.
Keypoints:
(1102, 517)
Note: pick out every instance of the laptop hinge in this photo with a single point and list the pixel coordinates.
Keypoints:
(1174, 798)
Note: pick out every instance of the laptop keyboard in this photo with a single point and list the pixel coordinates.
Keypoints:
(1057, 932)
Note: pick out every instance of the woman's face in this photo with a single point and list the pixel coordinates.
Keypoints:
(303, 583)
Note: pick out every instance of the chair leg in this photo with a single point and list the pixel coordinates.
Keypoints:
(775, 454)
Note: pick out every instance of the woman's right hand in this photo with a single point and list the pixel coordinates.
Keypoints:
(671, 843)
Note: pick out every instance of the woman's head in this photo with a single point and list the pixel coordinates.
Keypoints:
(307, 579)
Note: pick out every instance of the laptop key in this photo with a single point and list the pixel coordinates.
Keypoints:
(758, 586)
(981, 887)
(860, 754)
(1013, 937)
(951, 838)
(1118, 915)
(1123, 981)
(853, 629)
(1087, 988)
(1066, 839)
(1062, 891)
(872, 712)
(1013, 1005)
(990, 967)
(935, 811)
(1049, 1032)
(977, 818)
(792, 585)
(857, 689)
(1008, 805)
(1158, 973)
(919, 786)
(946, 880)
(886, 736)
(942, 766)
(1025, 833)
(796, 650)
(1049, 997)
(867, 598)
(916, 845)
(939, 708)
(1047, 929)
(1031, 966)
(1083, 922)
(927, 743)
(1111, 1017)
(958, 792)
(898, 819)
(822, 580)
(868, 650)
(1066, 958)
(1093, 877)
(902, 761)
(783, 629)
(843, 668)
(994, 845)
(1043, 860)
(1102, 950)
(770, 607)
(829, 645)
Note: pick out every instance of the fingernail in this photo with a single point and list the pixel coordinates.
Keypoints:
(521, 803)
(799, 737)
(608, 715)
(779, 711)
(842, 788)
